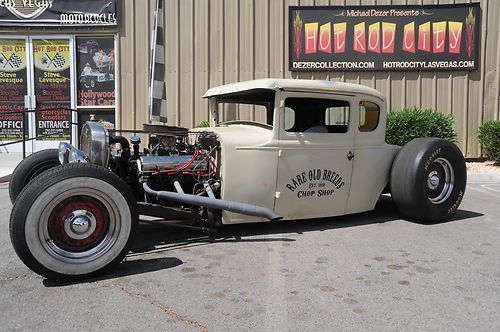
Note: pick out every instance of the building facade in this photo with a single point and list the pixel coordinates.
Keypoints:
(214, 42)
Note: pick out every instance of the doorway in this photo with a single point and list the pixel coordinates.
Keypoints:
(39, 74)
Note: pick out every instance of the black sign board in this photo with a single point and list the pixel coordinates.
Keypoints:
(368, 38)
(58, 12)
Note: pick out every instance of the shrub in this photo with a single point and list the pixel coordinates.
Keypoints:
(407, 124)
(203, 124)
(489, 137)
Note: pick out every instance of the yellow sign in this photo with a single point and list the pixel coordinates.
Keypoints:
(12, 55)
(51, 54)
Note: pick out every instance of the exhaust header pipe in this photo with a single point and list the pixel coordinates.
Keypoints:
(213, 203)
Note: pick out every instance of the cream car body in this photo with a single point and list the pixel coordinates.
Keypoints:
(301, 175)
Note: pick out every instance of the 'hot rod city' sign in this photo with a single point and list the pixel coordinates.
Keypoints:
(434, 37)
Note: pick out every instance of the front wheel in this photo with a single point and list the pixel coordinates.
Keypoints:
(74, 221)
(428, 179)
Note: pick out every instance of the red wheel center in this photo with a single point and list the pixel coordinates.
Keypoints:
(78, 223)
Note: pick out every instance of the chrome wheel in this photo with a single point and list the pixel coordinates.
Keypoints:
(78, 225)
(440, 181)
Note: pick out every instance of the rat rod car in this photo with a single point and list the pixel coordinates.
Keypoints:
(320, 151)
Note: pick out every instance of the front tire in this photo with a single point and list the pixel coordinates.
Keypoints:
(73, 222)
(428, 179)
(31, 167)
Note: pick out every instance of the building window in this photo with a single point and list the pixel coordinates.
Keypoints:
(96, 79)
(66, 71)
(95, 68)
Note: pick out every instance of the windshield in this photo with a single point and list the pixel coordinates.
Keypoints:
(247, 106)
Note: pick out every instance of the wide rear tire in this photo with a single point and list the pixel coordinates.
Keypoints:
(428, 179)
(74, 221)
(31, 167)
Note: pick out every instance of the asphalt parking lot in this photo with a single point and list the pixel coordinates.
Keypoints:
(371, 271)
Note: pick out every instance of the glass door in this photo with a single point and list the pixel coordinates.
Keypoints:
(14, 86)
(52, 86)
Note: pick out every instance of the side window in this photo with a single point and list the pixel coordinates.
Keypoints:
(369, 114)
(313, 115)
(337, 116)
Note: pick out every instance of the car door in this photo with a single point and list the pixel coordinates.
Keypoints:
(373, 161)
(316, 145)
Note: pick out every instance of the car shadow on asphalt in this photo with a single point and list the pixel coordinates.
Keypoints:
(154, 240)
(124, 269)
(457, 216)
(160, 238)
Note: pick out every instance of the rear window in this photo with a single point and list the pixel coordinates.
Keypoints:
(369, 114)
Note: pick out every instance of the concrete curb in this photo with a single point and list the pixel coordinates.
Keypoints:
(483, 177)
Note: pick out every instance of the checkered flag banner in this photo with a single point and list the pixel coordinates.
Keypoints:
(15, 60)
(158, 86)
(58, 61)
(3, 60)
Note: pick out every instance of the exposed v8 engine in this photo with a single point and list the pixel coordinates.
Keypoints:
(172, 163)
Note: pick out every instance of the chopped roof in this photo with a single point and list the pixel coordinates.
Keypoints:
(292, 84)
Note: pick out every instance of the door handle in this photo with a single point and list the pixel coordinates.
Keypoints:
(350, 155)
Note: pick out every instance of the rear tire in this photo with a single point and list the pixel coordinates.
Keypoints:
(74, 221)
(428, 179)
(31, 167)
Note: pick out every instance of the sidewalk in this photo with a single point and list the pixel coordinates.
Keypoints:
(483, 177)
(8, 162)
(483, 172)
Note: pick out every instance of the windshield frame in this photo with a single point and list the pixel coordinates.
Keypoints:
(257, 97)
